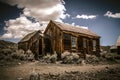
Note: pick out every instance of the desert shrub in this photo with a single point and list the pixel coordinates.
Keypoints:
(91, 59)
(30, 55)
(116, 56)
(66, 53)
(69, 58)
(8, 58)
(58, 56)
(50, 58)
(5, 54)
(6, 51)
(75, 57)
(103, 54)
(29, 51)
(35, 76)
(2, 56)
(21, 55)
(47, 58)
(109, 56)
(53, 58)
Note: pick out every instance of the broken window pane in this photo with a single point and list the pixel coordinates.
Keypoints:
(74, 41)
(66, 36)
(94, 45)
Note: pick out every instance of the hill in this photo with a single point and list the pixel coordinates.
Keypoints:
(105, 48)
(7, 44)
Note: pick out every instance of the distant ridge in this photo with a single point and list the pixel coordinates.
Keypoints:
(6, 44)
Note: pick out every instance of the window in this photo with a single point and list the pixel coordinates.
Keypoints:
(73, 41)
(84, 43)
(80, 42)
(66, 36)
(94, 45)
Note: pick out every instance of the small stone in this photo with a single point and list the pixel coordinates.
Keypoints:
(83, 62)
(19, 78)
(106, 67)
(19, 63)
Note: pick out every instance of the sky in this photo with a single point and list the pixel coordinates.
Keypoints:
(20, 17)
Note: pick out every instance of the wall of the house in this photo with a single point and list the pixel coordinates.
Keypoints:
(32, 44)
(84, 44)
(118, 49)
(23, 45)
(113, 50)
(55, 35)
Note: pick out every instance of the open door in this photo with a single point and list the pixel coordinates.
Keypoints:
(48, 45)
(40, 47)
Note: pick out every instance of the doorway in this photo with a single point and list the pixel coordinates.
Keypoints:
(48, 45)
(40, 47)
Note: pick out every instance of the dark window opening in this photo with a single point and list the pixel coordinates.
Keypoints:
(67, 41)
(48, 47)
(80, 42)
(40, 47)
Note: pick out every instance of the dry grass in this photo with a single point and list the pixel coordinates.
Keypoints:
(60, 71)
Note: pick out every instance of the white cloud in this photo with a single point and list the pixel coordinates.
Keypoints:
(42, 10)
(73, 24)
(84, 27)
(19, 27)
(86, 16)
(110, 14)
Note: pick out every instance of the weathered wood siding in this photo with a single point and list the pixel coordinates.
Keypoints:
(32, 44)
(23, 45)
(55, 35)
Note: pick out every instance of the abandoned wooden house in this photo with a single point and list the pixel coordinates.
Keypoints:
(31, 42)
(60, 37)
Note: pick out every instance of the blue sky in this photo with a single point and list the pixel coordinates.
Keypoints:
(100, 16)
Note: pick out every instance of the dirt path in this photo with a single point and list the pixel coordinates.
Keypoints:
(24, 70)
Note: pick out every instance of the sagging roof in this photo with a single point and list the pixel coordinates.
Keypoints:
(62, 26)
(118, 41)
(71, 28)
(29, 36)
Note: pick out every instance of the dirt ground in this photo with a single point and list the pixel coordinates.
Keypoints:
(22, 71)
